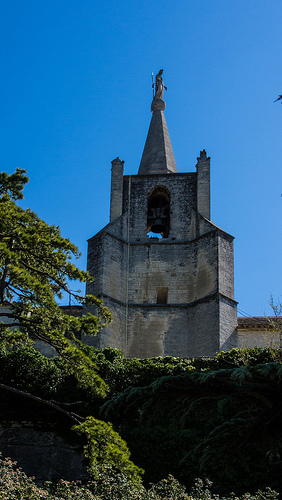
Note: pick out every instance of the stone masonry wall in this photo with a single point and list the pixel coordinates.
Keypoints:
(192, 267)
(174, 330)
(182, 188)
(42, 452)
(228, 324)
(226, 264)
(188, 270)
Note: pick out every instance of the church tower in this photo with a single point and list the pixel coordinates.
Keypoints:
(161, 266)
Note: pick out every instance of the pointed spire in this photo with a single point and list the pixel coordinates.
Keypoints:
(158, 157)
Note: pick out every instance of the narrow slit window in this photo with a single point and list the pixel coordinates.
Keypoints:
(162, 293)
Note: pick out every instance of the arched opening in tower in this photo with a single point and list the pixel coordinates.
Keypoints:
(158, 220)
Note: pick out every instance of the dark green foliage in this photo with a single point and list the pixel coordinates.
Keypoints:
(26, 369)
(228, 422)
(120, 373)
(245, 357)
(50, 379)
(159, 449)
(220, 418)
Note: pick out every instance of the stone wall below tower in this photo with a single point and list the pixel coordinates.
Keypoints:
(180, 331)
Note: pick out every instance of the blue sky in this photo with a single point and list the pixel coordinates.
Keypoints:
(76, 91)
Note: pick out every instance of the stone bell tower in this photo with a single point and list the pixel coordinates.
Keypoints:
(161, 266)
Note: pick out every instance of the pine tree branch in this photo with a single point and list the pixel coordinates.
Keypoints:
(76, 418)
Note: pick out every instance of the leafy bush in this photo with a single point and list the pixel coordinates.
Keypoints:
(26, 369)
(179, 417)
(105, 447)
(228, 424)
(121, 373)
(108, 485)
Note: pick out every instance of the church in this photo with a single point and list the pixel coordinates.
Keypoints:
(161, 266)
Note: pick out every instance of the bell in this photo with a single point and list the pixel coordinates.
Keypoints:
(158, 226)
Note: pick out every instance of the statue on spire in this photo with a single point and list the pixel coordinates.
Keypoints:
(159, 86)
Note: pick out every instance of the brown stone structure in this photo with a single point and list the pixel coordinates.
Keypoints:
(160, 265)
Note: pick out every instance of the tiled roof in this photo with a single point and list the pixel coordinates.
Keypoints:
(255, 322)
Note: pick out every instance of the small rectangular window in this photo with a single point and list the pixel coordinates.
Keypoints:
(162, 294)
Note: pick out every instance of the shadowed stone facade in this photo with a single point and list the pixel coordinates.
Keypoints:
(161, 266)
(42, 451)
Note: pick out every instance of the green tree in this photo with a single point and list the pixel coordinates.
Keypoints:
(35, 270)
(223, 422)
(105, 446)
